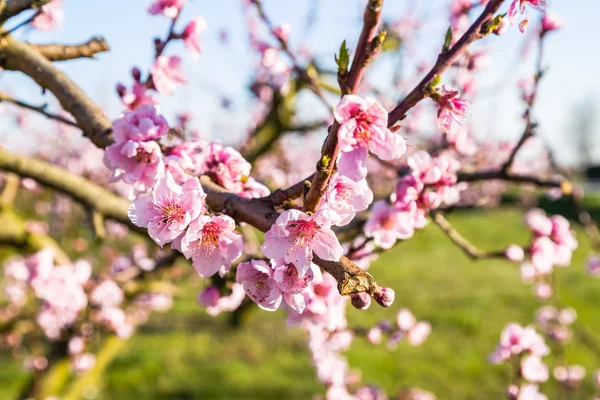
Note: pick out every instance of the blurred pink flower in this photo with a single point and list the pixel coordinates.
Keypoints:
(52, 16)
(168, 8)
(167, 75)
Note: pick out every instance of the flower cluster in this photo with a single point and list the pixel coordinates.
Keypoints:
(407, 326)
(60, 288)
(430, 183)
(555, 323)
(267, 285)
(527, 347)
(553, 245)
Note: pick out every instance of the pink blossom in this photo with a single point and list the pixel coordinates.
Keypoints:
(168, 8)
(167, 75)
(537, 221)
(551, 22)
(345, 197)
(419, 333)
(83, 362)
(530, 392)
(361, 301)
(256, 277)
(293, 286)
(225, 166)
(138, 96)
(363, 128)
(386, 225)
(593, 265)
(516, 340)
(51, 17)
(561, 232)
(295, 235)
(325, 307)
(384, 296)
(190, 35)
(518, 6)
(571, 375)
(514, 253)
(135, 156)
(215, 303)
(107, 294)
(212, 243)
(542, 254)
(169, 210)
(452, 108)
(534, 370)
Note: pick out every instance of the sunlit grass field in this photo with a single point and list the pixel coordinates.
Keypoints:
(186, 354)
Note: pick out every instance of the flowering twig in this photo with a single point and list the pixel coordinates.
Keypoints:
(62, 52)
(349, 84)
(257, 212)
(444, 61)
(302, 72)
(39, 109)
(470, 249)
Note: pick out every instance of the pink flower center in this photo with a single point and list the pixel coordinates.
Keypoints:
(144, 157)
(362, 132)
(342, 192)
(210, 235)
(387, 222)
(302, 233)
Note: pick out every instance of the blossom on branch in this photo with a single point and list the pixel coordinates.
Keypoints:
(168, 8)
(363, 128)
(170, 208)
(295, 235)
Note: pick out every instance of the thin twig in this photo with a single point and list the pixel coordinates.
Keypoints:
(444, 61)
(39, 109)
(302, 72)
(469, 248)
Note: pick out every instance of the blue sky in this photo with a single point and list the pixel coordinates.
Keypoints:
(572, 56)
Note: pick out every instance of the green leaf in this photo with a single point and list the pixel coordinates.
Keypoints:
(343, 59)
(447, 40)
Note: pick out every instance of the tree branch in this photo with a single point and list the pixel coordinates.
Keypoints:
(259, 213)
(469, 248)
(19, 56)
(444, 61)
(11, 8)
(329, 152)
(39, 109)
(62, 52)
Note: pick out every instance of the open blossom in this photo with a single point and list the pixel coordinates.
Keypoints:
(452, 108)
(295, 235)
(516, 340)
(225, 166)
(51, 17)
(534, 370)
(293, 286)
(537, 221)
(167, 75)
(518, 6)
(514, 253)
(386, 225)
(168, 8)
(190, 35)
(346, 197)
(363, 128)
(415, 331)
(256, 276)
(593, 265)
(169, 209)
(530, 392)
(135, 156)
(570, 376)
(212, 243)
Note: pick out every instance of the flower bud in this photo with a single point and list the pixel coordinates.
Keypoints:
(209, 296)
(514, 253)
(362, 300)
(384, 296)
(121, 90)
(136, 73)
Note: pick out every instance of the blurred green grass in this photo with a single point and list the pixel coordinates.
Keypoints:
(185, 354)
